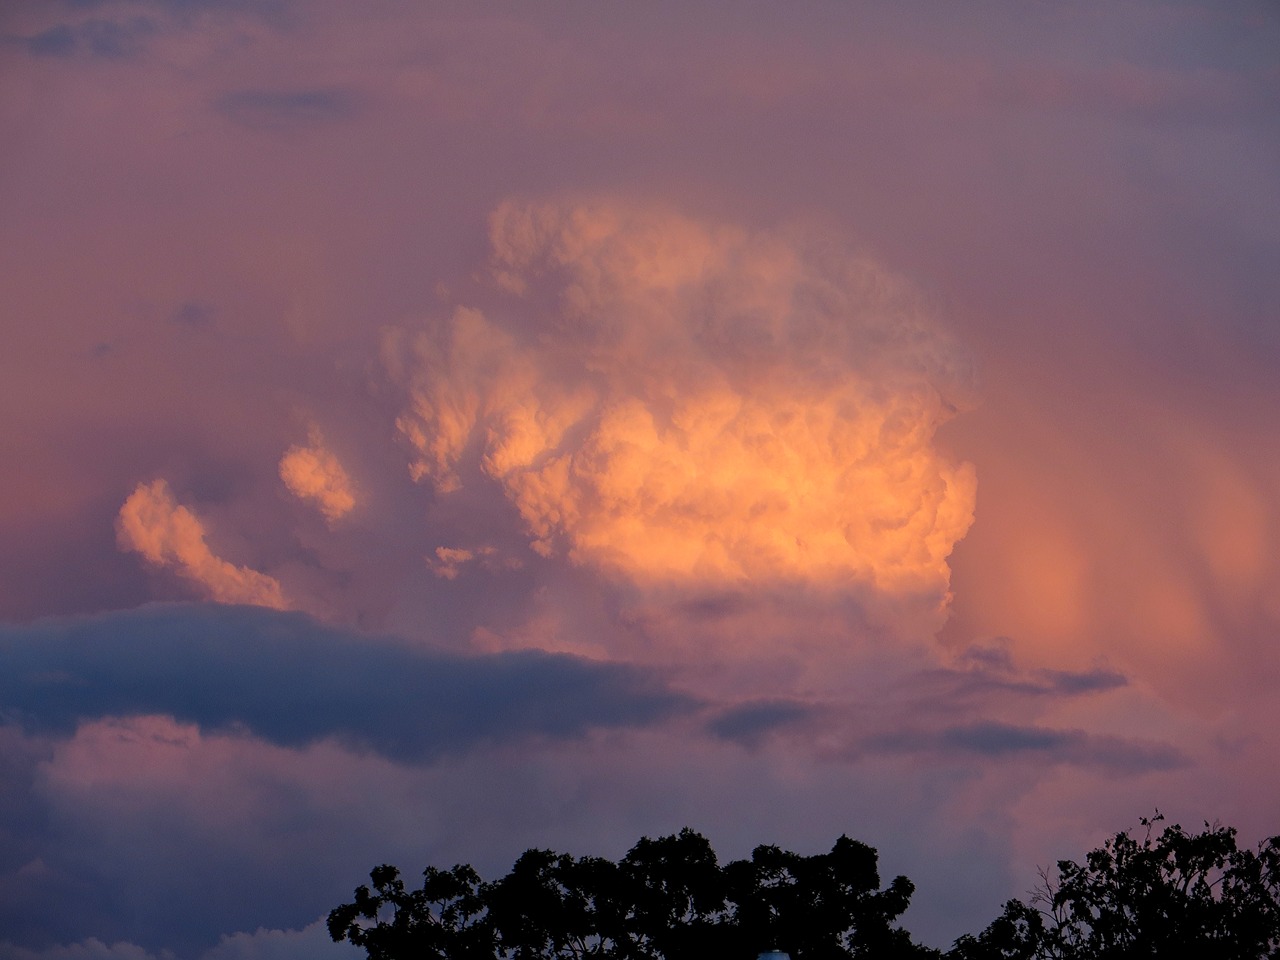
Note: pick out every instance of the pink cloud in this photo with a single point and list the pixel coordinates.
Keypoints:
(313, 473)
(167, 534)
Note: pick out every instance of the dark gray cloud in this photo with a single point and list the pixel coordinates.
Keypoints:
(292, 681)
(986, 670)
(1087, 681)
(260, 109)
(997, 739)
(749, 722)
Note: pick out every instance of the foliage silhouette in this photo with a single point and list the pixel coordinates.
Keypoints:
(1175, 895)
(446, 917)
(1136, 897)
(667, 899)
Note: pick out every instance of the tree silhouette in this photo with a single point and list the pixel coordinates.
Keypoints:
(1178, 894)
(677, 898)
(1136, 897)
(446, 919)
(820, 907)
(667, 899)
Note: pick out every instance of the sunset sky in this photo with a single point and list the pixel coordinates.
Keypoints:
(433, 430)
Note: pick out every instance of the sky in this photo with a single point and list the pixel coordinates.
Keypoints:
(433, 430)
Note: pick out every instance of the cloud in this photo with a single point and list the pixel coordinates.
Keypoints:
(167, 534)
(260, 109)
(215, 833)
(996, 739)
(670, 401)
(310, 943)
(313, 473)
(1085, 681)
(108, 39)
(287, 679)
(750, 722)
(985, 669)
(449, 561)
(90, 949)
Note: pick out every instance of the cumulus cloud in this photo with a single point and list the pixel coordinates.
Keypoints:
(313, 473)
(151, 522)
(673, 401)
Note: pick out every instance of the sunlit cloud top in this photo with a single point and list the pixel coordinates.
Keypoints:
(666, 399)
(314, 474)
(168, 535)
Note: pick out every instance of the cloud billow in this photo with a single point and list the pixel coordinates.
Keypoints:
(676, 402)
(291, 681)
(167, 534)
(312, 473)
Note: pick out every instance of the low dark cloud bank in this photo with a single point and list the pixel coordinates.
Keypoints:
(292, 681)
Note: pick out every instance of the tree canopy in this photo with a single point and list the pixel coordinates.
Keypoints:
(667, 899)
(1168, 895)
(1172, 895)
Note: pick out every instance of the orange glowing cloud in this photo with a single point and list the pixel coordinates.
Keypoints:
(313, 473)
(691, 403)
(448, 562)
(167, 534)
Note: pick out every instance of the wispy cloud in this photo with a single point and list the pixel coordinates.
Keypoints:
(107, 39)
(749, 723)
(1007, 740)
(265, 109)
